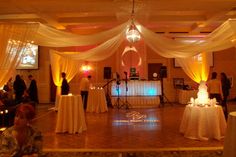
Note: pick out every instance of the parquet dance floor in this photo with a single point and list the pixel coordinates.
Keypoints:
(114, 130)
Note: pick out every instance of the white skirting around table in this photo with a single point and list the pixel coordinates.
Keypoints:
(70, 116)
(230, 139)
(139, 101)
(203, 123)
(96, 101)
(136, 88)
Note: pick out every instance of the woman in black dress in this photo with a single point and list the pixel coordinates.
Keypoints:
(33, 90)
(19, 89)
(225, 84)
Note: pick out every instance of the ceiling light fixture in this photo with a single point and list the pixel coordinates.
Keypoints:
(132, 34)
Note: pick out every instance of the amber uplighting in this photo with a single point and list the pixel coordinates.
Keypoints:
(86, 68)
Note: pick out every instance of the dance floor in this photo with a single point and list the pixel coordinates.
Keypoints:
(116, 131)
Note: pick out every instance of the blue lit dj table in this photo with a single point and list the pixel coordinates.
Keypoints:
(139, 93)
(136, 88)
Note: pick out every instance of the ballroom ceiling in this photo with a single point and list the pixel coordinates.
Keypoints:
(169, 17)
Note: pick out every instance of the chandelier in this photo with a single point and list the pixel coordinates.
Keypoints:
(132, 34)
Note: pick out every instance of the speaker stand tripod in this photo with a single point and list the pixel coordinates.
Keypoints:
(118, 104)
(126, 104)
(163, 97)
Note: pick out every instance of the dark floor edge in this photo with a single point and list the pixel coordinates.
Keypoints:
(137, 149)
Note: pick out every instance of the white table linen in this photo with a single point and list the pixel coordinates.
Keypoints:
(96, 100)
(185, 95)
(230, 139)
(70, 116)
(203, 123)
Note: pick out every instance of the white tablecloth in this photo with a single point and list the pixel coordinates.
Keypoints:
(185, 95)
(96, 101)
(230, 139)
(70, 116)
(203, 123)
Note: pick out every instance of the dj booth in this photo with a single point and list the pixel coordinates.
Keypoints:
(138, 93)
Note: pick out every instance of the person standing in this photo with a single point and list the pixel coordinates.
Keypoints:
(9, 89)
(214, 88)
(84, 88)
(33, 90)
(225, 84)
(19, 89)
(65, 88)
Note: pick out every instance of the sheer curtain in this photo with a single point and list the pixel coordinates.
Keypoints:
(197, 67)
(98, 53)
(70, 62)
(221, 38)
(50, 37)
(13, 39)
(61, 64)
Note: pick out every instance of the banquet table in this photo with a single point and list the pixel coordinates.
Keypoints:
(96, 100)
(185, 95)
(70, 116)
(230, 142)
(203, 123)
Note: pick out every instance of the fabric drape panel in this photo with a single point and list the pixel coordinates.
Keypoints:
(98, 53)
(61, 64)
(13, 39)
(70, 62)
(219, 39)
(47, 36)
(197, 70)
(108, 42)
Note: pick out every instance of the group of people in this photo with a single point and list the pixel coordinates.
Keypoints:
(219, 89)
(19, 92)
(84, 87)
(22, 139)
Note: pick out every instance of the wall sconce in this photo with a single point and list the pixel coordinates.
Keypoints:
(86, 68)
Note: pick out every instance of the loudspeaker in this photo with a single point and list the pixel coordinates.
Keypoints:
(163, 72)
(107, 73)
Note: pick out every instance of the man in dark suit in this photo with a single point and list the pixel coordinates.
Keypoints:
(65, 88)
(33, 90)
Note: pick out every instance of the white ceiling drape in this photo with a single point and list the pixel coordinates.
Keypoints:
(219, 39)
(108, 41)
(50, 37)
(98, 53)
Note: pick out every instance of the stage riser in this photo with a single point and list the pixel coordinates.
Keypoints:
(205, 153)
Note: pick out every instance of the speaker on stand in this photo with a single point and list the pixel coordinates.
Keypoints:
(163, 74)
(107, 73)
